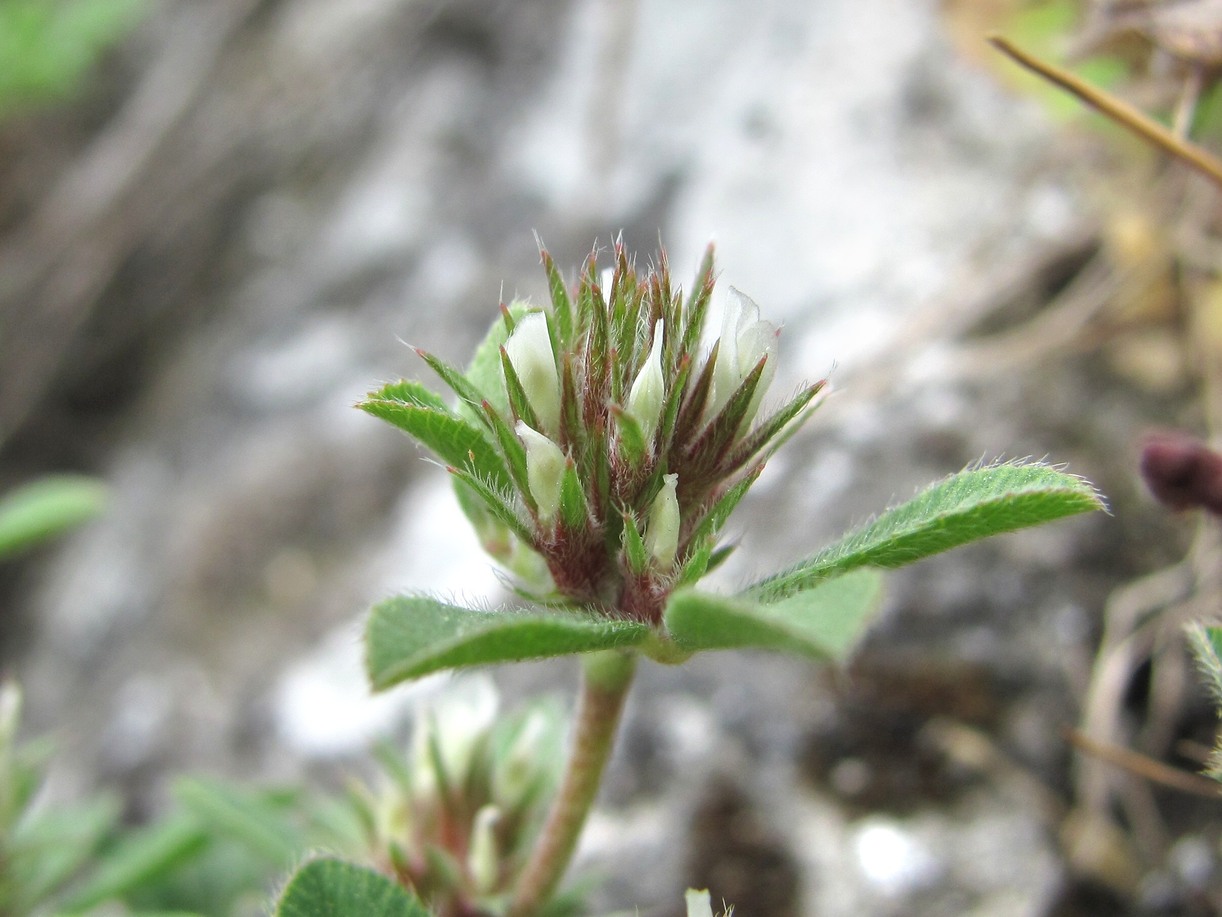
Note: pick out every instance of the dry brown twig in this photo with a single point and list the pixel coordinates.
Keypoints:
(1144, 766)
(1117, 110)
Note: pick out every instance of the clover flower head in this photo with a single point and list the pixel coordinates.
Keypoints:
(601, 436)
(456, 820)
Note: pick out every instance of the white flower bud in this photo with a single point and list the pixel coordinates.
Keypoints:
(545, 466)
(453, 727)
(530, 352)
(483, 856)
(745, 339)
(649, 389)
(662, 531)
(699, 904)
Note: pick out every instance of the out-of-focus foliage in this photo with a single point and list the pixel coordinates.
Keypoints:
(44, 508)
(220, 850)
(47, 46)
(40, 850)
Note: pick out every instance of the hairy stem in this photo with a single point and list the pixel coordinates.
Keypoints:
(606, 678)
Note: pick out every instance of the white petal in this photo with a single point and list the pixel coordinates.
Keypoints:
(698, 903)
(545, 467)
(530, 351)
(648, 390)
(745, 340)
(483, 858)
(662, 531)
(454, 725)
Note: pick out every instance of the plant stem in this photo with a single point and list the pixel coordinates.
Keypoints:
(1117, 109)
(606, 678)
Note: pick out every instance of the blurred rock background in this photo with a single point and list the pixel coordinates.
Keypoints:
(226, 237)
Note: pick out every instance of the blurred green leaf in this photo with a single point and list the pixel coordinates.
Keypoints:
(965, 507)
(44, 508)
(50, 847)
(46, 48)
(140, 858)
(333, 888)
(252, 819)
(410, 636)
(823, 622)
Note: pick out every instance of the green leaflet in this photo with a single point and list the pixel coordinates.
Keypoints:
(410, 636)
(332, 888)
(824, 622)
(420, 413)
(965, 507)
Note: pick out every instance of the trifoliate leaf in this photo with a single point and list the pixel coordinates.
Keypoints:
(48, 846)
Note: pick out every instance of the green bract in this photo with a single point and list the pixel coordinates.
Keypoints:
(599, 447)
